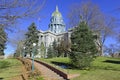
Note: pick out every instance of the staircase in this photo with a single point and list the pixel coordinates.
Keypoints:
(47, 73)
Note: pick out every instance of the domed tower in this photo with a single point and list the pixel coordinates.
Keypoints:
(57, 24)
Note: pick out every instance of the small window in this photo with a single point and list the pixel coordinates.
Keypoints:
(41, 36)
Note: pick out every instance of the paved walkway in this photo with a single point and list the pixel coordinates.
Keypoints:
(47, 73)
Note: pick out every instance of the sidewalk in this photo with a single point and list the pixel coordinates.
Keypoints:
(47, 73)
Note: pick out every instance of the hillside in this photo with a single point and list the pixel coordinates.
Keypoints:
(103, 68)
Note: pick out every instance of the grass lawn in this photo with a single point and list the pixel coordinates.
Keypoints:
(103, 68)
(10, 68)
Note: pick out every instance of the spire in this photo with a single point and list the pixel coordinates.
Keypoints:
(56, 12)
(56, 8)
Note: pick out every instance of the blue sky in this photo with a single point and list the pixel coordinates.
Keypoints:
(106, 6)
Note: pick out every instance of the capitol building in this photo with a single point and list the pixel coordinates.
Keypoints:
(56, 32)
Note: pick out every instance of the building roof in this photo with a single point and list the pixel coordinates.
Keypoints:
(56, 13)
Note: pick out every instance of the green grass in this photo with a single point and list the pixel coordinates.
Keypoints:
(103, 68)
(10, 68)
(4, 64)
(100, 63)
(56, 59)
(60, 60)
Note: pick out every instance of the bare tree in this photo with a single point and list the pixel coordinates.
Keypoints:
(106, 29)
(96, 20)
(19, 50)
(113, 50)
(19, 35)
(17, 9)
(118, 41)
(118, 38)
(12, 11)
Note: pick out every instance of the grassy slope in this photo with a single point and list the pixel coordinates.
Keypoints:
(60, 59)
(100, 70)
(12, 69)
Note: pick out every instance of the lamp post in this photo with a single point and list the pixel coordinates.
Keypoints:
(33, 51)
(23, 52)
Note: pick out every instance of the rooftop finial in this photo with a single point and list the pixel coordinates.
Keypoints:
(56, 8)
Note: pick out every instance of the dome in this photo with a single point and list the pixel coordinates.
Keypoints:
(56, 13)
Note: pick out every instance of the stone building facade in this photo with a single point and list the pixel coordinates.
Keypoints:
(55, 32)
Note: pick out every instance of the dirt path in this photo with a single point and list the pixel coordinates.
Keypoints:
(47, 73)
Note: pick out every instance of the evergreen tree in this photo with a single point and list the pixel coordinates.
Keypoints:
(42, 50)
(3, 39)
(83, 48)
(31, 37)
(55, 49)
(50, 53)
(61, 48)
